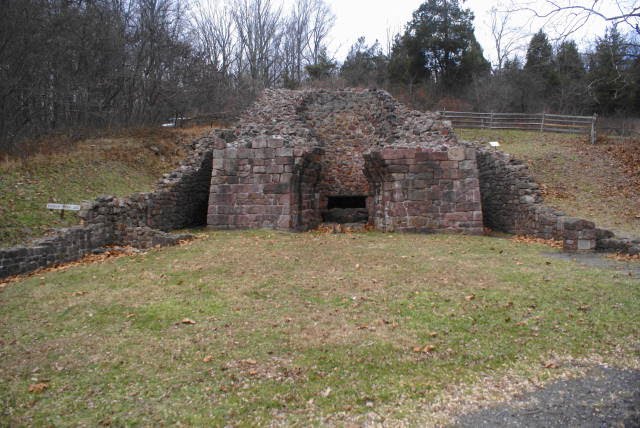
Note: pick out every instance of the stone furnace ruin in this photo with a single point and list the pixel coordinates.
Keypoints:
(298, 158)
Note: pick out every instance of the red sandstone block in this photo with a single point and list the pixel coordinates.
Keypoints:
(284, 160)
(425, 155)
(453, 174)
(470, 153)
(259, 142)
(275, 169)
(458, 216)
(448, 164)
(217, 220)
(456, 153)
(395, 153)
(417, 195)
(284, 152)
(422, 168)
(276, 188)
(398, 168)
(440, 156)
(275, 143)
(468, 164)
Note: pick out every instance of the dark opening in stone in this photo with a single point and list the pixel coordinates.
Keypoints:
(346, 209)
(347, 202)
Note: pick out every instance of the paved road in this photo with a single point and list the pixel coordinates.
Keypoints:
(605, 397)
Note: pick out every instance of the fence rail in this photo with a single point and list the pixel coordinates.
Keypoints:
(542, 122)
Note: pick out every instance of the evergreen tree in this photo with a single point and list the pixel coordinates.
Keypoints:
(365, 65)
(611, 85)
(323, 69)
(540, 70)
(439, 46)
(570, 72)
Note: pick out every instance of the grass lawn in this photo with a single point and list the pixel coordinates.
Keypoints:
(598, 182)
(258, 327)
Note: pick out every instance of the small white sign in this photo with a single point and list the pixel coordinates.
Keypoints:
(65, 207)
(494, 144)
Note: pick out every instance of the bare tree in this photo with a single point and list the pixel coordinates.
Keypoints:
(307, 28)
(259, 35)
(507, 38)
(321, 23)
(571, 16)
(297, 38)
(216, 36)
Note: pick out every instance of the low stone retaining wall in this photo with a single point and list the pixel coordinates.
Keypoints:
(512, 203)
(141, 220)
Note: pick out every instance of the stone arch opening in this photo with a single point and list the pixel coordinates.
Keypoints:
(346, 209)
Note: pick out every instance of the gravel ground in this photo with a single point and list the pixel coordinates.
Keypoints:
(605, 397)
(601, 260)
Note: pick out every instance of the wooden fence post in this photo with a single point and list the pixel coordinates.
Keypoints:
(491, 121)
(593, 128)
(542, 123)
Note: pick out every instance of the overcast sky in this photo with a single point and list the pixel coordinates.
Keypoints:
(376, 19)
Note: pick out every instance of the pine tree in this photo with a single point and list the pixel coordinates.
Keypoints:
(570, 72)
(611, 85)
(439, 46)
(540, 70)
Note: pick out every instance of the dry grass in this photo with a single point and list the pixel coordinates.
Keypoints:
(599, 182)
(299, 329)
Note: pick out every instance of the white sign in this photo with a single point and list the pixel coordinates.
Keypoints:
(65, 207)
(494, 144)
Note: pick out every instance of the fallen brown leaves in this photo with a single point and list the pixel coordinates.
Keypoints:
(624, 257)
(629, 154)
(343, 228)
(110, 253)
(38, 388)
(426, 349)
(523, 239)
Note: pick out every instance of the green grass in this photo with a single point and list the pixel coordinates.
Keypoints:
(295, 328)
(25, 193)
(116, 166)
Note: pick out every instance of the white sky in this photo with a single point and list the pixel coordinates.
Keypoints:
(382, 19)
(374, 19)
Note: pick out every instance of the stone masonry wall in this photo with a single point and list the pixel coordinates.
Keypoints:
(293, 150)
(180, 200)
(425, 189)
(512, 203)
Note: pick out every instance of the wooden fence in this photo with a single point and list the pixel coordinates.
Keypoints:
(542, 122)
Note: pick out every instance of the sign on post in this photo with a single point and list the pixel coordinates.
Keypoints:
(63, 207)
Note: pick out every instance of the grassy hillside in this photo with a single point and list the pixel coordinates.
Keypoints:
(258, 328)
(118, 165)
(599, 182)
